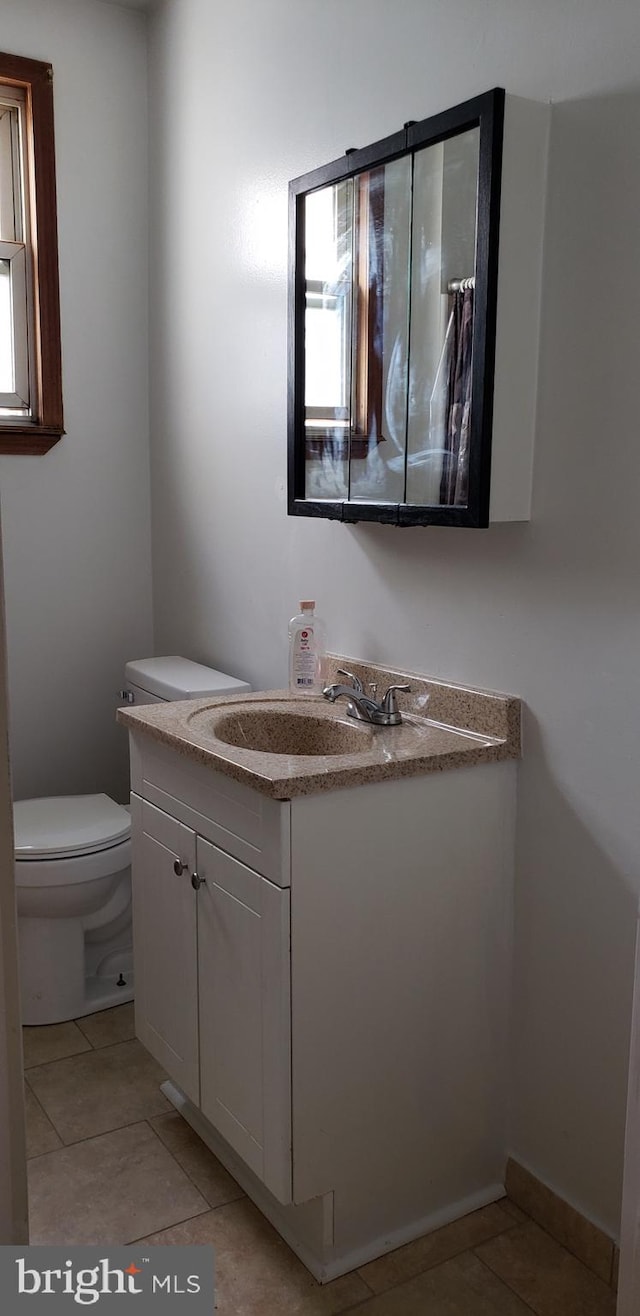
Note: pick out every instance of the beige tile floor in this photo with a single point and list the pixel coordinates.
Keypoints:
(111, 1161)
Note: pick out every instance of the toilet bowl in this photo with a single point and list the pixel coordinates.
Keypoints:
(73, 885)
(73, 874)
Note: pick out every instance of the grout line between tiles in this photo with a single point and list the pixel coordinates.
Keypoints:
(46, 1113)
(559, 1219)
(47, 1117)
(608, 1284)
(142, 1237)
(97, 1050)
(104, 1046)
(564, 1248)
(367, 1286)
(175, 1223)
(510, 1223)
(358, 1306)
(87, 1039)
(466, 1251)
(506, 1203)
(185, 1170)
(99, 1134)
(103, 1133)
(41, 1063)
(506, 1283)
(362, 1303)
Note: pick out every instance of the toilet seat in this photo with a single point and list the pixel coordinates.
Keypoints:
(68, 827)
(32, 874)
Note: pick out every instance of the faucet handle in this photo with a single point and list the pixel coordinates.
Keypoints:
(390, 703)
(355, 680)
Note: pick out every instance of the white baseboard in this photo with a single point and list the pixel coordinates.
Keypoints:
(339, 1263)
(408, 1233)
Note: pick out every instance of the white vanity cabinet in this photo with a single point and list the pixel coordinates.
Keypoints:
(245, 1024)
(212, 984)
(166, 943)
(331, 1003)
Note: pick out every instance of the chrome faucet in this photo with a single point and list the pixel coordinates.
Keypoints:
(364, 708)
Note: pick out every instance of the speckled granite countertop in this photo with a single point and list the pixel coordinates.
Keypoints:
(444, 726)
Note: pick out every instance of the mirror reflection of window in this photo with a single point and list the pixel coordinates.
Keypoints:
(384, 230)
(328, 333)
(442, 303)
(328, 238)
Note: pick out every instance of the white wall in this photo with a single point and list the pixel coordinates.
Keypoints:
(77, 521)
(252, 92)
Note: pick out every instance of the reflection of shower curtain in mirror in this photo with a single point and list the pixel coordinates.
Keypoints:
(455, 473)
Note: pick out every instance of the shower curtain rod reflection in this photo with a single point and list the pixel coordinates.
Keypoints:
(461, 285)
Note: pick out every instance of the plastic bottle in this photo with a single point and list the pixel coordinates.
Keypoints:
(306, 651)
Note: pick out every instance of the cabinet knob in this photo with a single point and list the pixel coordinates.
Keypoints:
(197, 881)
(179, 868)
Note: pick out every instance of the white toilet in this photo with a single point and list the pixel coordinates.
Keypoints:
(73, 873)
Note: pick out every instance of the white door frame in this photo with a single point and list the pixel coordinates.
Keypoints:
(14, 1227)
(629, 1280)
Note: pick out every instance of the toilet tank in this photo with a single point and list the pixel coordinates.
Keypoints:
(158, 680)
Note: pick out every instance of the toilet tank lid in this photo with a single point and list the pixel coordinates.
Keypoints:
(67, 825)
(179, 678)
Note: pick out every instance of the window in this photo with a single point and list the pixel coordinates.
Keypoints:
(30, 354)
(343, 251)
(328, 236)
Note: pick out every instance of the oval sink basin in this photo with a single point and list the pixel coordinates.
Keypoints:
(278, 731)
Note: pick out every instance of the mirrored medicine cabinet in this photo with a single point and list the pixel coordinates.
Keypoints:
(392, 324)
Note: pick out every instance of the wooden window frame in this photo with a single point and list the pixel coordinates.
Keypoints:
(38, 434)
(367, 404)
(364, 404)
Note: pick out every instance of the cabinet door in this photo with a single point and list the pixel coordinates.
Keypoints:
(245, 1021)
(165, 942)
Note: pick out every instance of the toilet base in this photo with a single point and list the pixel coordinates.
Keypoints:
(98, 994)
(104, 993)
(67, 973)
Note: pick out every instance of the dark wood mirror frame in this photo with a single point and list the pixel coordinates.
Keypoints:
(485, 112)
